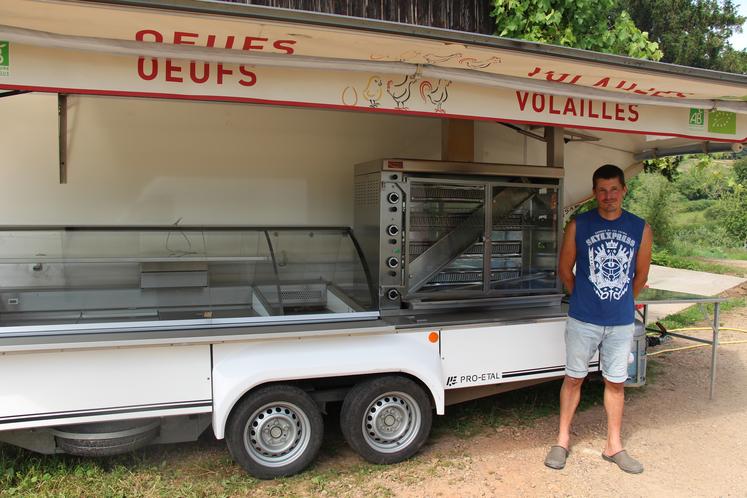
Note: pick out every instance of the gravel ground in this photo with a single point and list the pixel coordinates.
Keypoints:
(689, 445)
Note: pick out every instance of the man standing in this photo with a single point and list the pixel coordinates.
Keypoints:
(611, 249)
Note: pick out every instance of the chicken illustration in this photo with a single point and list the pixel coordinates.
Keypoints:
(437, 59)
(373, 92)
(401, 91)
(474, 63)
(438, 95)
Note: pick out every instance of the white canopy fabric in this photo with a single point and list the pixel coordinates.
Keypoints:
(103, 48)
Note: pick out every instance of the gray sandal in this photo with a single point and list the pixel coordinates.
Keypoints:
(556, 457)
(625, 462)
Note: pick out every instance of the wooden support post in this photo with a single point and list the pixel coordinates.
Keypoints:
(62, 135)
(554, 138)
(458, 140)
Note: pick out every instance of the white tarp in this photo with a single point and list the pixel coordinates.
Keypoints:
(70, 47)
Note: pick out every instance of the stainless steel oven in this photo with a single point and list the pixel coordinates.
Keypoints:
(444, 234)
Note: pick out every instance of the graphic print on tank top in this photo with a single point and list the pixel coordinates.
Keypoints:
(610, 256)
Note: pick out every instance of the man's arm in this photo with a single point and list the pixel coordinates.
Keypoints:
(643, 260)
(568, 257)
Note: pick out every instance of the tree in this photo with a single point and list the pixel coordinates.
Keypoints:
(588, 24)
(691, 32)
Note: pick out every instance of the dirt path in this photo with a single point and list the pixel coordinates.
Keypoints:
(689, 445)
(734, 263)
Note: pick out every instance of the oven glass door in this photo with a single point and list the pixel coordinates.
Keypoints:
(444, 238)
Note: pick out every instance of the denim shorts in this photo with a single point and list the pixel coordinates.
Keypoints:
(582, 341)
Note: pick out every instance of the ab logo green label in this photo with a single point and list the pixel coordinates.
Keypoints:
(4, 58)
(697, 118)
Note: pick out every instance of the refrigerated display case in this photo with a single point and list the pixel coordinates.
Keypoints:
(81, 275)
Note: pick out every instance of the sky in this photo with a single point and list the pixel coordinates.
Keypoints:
(739, 41)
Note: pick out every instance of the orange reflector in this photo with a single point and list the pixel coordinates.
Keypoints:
(433, 337)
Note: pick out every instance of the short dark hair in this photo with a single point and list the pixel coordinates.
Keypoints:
(607, 172)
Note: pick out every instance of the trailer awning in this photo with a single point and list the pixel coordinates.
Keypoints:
(188, 49)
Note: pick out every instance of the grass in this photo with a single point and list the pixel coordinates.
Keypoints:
(519, 408)
(689, 218)
(204, 468)
(694, 314)
(666, 258)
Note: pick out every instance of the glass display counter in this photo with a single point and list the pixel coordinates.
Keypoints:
(73, 275)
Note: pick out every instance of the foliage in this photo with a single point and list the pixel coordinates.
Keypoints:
(731, 213)
(585, 24)
(734, 61)
(691, 32)
(666, 166)
(739, 169)
(707, 179)
(654, 200)
(697, 205)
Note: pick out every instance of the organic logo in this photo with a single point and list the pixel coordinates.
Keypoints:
(4, 58)
(697, 118)
(452, 380)
(722, 122)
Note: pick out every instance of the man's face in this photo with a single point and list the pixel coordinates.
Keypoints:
(609, 194)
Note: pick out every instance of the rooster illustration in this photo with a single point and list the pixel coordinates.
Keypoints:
(438, 95)
(401, 91)
(373, 91)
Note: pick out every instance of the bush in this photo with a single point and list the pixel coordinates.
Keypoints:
(696, 205)
(706, 179)
(701, 240)
(654, 199)
(730, 212)
(739, 170)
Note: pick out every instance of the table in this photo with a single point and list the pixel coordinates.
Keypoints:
(650, 296)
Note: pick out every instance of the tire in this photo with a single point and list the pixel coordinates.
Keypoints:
(275, 432)
(106, 438)
(386, 419)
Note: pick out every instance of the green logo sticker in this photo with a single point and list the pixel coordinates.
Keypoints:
(722, 122)
(697, 118)
(4, 58)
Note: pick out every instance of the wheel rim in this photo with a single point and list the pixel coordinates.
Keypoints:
(277, 434)
(391, 422)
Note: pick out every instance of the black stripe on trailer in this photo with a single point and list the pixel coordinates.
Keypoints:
(534, 371)
(105, 411)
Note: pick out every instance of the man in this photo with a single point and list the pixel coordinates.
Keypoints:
(611, 249)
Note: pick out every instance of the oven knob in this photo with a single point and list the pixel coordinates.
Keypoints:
(392, 262)
(393, 197)
(392, 230)
(392, 294)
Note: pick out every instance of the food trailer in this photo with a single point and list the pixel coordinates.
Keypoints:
(232, 215)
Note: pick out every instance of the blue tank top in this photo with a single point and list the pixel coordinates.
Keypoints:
(606, 253)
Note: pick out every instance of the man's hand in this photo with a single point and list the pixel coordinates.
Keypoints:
(568, 257)
(643, 260)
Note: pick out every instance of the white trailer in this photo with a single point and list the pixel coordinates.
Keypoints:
(178, 204)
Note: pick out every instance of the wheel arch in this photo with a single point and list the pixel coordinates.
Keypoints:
(239, 370)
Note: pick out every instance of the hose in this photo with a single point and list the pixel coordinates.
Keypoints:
(708, 328)
(694, 346)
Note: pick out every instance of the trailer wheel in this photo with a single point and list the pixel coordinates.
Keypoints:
(275, 432)
(386, 419)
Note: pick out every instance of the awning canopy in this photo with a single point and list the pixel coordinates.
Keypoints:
(188, 49)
